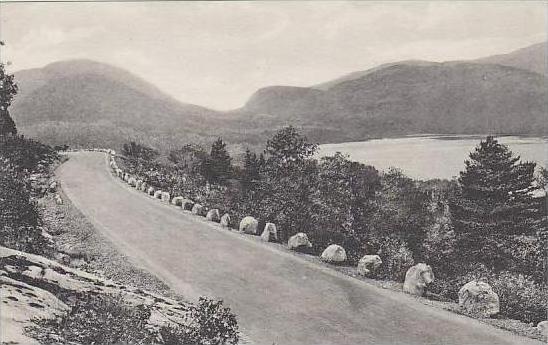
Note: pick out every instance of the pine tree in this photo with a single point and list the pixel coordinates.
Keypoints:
(495, 204)
(219, 168)
(8, 89)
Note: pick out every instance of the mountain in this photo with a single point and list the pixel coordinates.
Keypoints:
(532, 58)
(86, 103)
(402, 99)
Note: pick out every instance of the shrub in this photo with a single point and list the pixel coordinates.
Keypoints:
(212, 323)
(98, 319)
(520, 297)
(396, 259)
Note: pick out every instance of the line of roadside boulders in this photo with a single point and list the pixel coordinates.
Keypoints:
(476, 297)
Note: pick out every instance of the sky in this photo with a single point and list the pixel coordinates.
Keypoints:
(216, 54)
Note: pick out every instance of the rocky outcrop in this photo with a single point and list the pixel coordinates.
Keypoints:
(299, 241)
(479, 299)
(36, 287)
(334, 253)
(225, 220)
(213, 215)
(198, 210)
(417, 279)
(368, 265)
(249, 225)
(270, 233)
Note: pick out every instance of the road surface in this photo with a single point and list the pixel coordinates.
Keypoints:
(278, 297)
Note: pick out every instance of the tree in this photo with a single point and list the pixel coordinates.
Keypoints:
(346, 196)
(190, 158)
(219, 163)
(288, 147)
(137, 151)
(251, 172)
(289, 183)
(8, 89)
(495, 205)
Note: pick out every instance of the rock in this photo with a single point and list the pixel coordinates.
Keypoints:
(53, 186)
(166, 197)
(269, 233)
(34, 287)
(225, 220)
(543, 327)
(177, 201)
(187, 205)
(213, 215)
(151, 190)
(249, 225)
(126, 177)
(138, 184)
(198, 210)
(144, 187)
(158, 194)
(119, 173)
(58, 199)
(369, 264)
(417, 278)
(299, 240)
(334, 253)
(132, 181)
(479, 299)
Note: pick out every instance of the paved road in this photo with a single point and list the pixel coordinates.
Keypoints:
(278, 297)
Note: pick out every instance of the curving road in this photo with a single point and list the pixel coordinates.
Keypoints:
(278, 297)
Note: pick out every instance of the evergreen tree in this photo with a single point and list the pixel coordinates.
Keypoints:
(219, 167)
(251, 172)
(8, 89)
(495, 205)
(137, 151)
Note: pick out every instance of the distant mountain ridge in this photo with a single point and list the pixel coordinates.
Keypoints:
(86, 103)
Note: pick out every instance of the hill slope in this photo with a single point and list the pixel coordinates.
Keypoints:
(403, 99)
(85, 103)
(532, 58)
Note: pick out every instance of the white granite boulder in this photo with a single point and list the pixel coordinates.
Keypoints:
(368, 264)
(299, 240)
(543, 327)
(198, 210)
(187, 204)
(417, 279)
(132, 181)
(270, 233)
(151, 190)
(158, 194)
(166, 197)
(249, 225)
(334, 253)
(213, 215)
(478, 298)
(225, 220)
(177, 201)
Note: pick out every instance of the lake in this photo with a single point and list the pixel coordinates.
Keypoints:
(427, 157)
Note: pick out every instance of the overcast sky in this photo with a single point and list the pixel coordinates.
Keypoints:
(217, 54)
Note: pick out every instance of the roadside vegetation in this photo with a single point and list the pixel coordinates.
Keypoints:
(488, 225)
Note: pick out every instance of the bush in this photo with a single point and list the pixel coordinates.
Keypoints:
(212, 324)
(520, 297)
(396, 259)
(98, 319)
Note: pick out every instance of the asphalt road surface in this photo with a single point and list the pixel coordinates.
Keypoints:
(279, 298)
